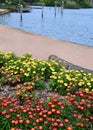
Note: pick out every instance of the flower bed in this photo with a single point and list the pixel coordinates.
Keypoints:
(68, 107)
(69, 112)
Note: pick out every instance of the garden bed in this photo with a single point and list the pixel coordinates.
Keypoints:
(43, 95)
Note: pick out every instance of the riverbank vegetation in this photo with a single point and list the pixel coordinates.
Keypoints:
(44, 95)
(67, 3)
(13, 4)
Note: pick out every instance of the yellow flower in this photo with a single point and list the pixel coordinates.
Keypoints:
(89, 84)
(81, 70)
(68, 78)
(56, 63)
(26, 74)
(86, 89)
(17, 68)
(21, 69)
(60, 81)
(73, 79)
(89, 74)
(1, 52)
(15, 72)
(80, 83)
(62, 69)
(34, 72)
(28, 69)
(43, 69)
(28, 63)
(9, 53)
(91, 79)
(52, 69)
(54, 77)
(60, 73)
(65, 84)
(77, 71)
(59, 77)
(54, 73)
(85, 78)
(34, 66)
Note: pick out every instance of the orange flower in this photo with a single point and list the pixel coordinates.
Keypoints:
(12, 129)
(37, 78)
(18, 86)
(29, 87)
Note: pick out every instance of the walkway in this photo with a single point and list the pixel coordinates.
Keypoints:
(42, 47)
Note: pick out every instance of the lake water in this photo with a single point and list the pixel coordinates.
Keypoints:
(74, 25)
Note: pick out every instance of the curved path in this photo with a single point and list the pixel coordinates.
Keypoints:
(41, 47)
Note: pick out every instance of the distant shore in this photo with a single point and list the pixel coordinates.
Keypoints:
(3, 11)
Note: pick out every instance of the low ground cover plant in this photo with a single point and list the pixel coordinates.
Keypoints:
(72, 110)
(14, 70)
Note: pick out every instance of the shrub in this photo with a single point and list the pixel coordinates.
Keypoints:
(71, 5)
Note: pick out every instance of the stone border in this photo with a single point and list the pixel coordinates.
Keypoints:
(68, 65)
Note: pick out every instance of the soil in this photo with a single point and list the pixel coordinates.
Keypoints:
(8, 90)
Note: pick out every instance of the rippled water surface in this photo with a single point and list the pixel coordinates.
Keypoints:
(74, 25)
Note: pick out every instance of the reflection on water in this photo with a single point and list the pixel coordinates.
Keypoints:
(21, 22)
(74, 25)
(4, 18)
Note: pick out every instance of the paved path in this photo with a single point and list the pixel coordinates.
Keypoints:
(42, 47)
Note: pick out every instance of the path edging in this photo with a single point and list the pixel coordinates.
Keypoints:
(68, 65)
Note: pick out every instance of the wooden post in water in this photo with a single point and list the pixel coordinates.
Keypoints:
(42, 9)
(62, 6)
(21, 11)
(55, 8)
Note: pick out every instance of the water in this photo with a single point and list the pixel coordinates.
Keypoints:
(74, 25)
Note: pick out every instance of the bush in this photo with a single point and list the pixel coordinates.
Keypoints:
(71, 5)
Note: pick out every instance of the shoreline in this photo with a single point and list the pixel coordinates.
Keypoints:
(3, 11)
(42, 47)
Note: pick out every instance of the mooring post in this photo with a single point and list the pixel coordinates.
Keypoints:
(21, 11)
(55, 8)
(62, 6)
(42, 9)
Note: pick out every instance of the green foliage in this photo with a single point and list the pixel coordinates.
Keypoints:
(49, 2)
(67, 3)
(77, 4)
(71, 4)
(84, 3)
